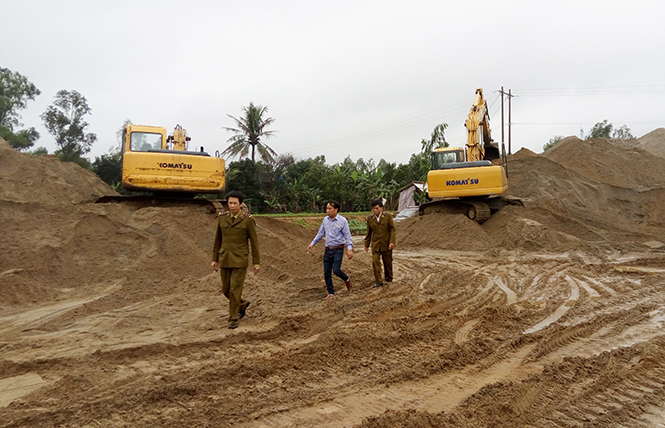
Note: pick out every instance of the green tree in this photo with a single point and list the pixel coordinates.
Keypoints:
(39, 151)
(553, 142)
(254, 179)
(20, 140)
(437, 139)
(306, 185)
(64, 119)
(600, 130)
(419, 165)
(249, 130)
(15, 92)
(606, 130)
(108, 167)
(623, 133)
(373, 185)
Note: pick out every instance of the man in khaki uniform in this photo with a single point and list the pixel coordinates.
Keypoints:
(381, 237)
(230, 254)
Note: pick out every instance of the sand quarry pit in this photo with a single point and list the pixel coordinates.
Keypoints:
(547, 315)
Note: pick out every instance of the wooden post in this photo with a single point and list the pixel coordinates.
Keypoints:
(502, 116)
(510, 122)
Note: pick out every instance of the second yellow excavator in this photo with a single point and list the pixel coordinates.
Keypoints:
(469, 181)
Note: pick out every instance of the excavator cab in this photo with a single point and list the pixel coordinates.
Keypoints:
(447, 156)
(145, 140)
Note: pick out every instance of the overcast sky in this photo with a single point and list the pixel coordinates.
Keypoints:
(366, 79)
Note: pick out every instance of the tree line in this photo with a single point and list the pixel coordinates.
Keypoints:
(305, 185)
(64, 119)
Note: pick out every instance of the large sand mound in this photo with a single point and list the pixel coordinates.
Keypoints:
(26, 178)
(602, 161)
(594, 190)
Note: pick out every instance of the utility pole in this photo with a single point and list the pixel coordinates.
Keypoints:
(510, 122)
(509, 95)
(502, 144)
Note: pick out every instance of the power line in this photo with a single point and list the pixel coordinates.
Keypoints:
(582, 122)
(458, 108)
(608, 90)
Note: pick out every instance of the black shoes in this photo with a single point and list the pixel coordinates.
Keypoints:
(241, 312)
(241, 315)
(378, 284)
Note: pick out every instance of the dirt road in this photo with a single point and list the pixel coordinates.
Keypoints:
(539, 339)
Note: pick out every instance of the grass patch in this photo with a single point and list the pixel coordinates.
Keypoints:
(345, 214)
(357, 220)
(358, 227)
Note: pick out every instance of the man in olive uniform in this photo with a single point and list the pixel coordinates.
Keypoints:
(381, 237)
(230, 253)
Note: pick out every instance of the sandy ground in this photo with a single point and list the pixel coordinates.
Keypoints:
(547, 315)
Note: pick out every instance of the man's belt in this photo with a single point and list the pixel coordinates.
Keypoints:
(337, 247)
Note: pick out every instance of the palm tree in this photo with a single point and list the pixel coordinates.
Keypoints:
(249, 130)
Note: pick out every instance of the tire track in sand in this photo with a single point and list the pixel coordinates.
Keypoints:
(462, 335)
(440, 392)
(511, 296)
(561, 310)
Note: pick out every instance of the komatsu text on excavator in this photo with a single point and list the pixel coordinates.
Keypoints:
(469, 181)
(164, 167)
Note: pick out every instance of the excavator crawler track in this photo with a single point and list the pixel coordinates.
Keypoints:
(477, 209)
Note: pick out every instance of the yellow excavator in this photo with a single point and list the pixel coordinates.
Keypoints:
(469, 180)
(163, 167)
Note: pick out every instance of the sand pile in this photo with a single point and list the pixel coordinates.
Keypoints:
(654, 142)
(26, 178)
(58, 245)
(440, 231)
(613, 163)
(57, 251)
(594, 190)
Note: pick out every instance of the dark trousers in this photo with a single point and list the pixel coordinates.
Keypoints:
(232, 282)
(332, 263)
(387, 257)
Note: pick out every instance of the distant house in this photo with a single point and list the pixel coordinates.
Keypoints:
(408, 193)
